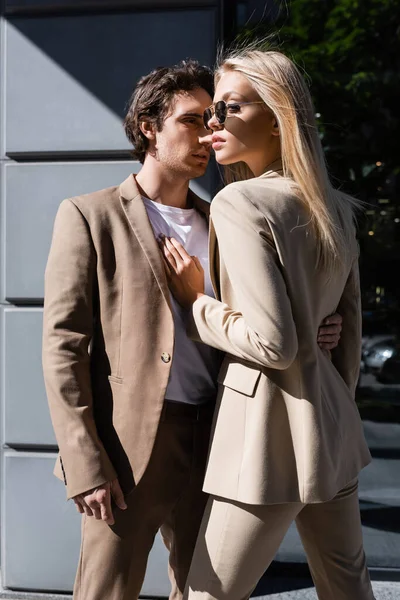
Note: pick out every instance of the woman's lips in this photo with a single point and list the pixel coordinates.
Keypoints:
(217, 142)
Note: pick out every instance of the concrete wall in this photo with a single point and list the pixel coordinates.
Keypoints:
(66, 74)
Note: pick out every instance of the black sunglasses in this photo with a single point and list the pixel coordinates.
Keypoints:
(221, 108)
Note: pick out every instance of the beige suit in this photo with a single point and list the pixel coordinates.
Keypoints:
(108, 342)
(105, 286)
(294, 429)
(287, 439)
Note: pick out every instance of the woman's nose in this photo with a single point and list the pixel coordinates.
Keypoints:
(214, 124)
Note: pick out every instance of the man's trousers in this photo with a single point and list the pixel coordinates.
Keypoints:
(237, 542)
(113, 558)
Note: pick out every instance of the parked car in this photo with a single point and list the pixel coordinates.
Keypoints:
(390, 370)
(375, 351)
(379, 339)
(376, 355)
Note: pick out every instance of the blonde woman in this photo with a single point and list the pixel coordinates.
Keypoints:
(288, 441)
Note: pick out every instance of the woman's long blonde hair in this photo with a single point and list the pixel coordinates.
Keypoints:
(281, 86)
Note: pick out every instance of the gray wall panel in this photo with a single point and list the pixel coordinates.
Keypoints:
(40, 530)
(156, 582)
(69, 78)
(33, 193)
(26, 418)
(64, 84)
(41, 533)
(2, 86)
(2, 231)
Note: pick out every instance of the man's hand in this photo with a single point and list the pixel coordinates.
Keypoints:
(97, 502)
(329, 332)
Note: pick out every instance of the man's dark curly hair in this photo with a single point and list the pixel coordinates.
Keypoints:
(154, 93)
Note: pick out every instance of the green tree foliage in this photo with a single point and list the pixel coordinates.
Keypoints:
(350, 52)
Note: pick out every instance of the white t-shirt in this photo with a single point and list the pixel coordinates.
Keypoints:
(194, 366)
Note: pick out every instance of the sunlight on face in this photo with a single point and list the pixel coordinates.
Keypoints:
(249, 133)
(179, 145)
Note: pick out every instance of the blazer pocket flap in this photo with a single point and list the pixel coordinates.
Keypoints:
(239, 377)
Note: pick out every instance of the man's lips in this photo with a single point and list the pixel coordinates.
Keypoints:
(202, 156)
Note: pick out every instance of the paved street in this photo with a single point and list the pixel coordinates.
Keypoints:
(382, 590)
(371, 386)
(301, 590)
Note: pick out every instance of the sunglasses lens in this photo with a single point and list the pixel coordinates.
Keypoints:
(206, 117)
(220, 111)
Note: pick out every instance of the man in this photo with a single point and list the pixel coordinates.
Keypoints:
(131, 397)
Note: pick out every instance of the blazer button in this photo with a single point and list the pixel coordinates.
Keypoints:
(165, 357)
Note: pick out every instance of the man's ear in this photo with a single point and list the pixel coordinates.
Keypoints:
(148, 129)
(275, 127)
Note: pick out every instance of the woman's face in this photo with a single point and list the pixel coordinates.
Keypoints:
(250, 133)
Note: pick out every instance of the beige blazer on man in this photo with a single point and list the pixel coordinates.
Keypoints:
(287, 428)
(108, 337)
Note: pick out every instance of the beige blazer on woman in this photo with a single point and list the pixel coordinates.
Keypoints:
(286, 428)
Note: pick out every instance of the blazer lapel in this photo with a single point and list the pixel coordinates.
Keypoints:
(136, 214)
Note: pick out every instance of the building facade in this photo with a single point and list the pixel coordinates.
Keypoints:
(67, 70)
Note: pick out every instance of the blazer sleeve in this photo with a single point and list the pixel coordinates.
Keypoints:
(346, 357)
(263, 330)
(67, 332)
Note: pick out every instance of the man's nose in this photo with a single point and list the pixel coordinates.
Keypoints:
(205, 140)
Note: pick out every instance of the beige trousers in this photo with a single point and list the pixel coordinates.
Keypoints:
(237, 542)
(169, 497)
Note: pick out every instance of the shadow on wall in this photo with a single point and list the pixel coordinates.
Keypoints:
(107, 53)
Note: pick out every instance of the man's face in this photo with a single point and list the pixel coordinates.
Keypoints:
(178, 146)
